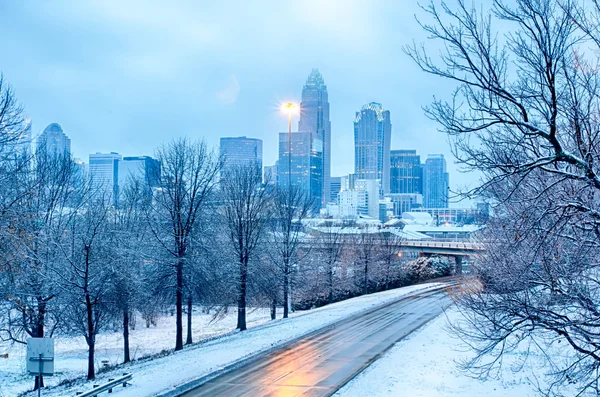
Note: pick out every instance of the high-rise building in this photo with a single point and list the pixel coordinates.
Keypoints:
(372, 139)
(306, 164)
(54, 141)
(335, 186)
(270, 174)
(370, 206)
(314, 118)
(435, 182)
(104, 175)
(241, 150)
(144, 168)
(406, 174)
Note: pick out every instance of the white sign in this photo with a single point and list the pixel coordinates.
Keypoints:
(40, 356)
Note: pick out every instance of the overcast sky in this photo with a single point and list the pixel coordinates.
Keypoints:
(126, 76)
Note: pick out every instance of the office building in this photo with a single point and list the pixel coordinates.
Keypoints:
(405, 202)
(54, 141)
(237, 151)
(306, 164)
(435, 182)
(314, 118)
(406, 174)
(335, 186)
(372, 140)
(270, 174)
(104, 175)
(142, 168)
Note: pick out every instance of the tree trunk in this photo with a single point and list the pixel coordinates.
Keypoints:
(330, 284)
(366, 281)
(188, 340)
(179, 306)
(90, 337)
(126, 357)
(274, 309)
(286, 292)
(241, 320)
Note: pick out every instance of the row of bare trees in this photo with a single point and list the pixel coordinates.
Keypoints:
(525, 116)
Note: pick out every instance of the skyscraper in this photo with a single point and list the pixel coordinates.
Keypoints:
(405, 172)
(306, 164)
(104, 174)
(241, 151)
(314, 118)
(145, 168)
(54, 141)
(372, 139)
(435, 182)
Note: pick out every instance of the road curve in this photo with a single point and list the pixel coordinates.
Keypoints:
(321, 363)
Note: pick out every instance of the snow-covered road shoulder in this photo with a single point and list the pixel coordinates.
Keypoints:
(164, 374)
(424, 365)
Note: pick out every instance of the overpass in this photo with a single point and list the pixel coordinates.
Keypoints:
(437, 247)
(456, 249)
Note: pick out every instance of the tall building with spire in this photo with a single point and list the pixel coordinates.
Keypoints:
(372, 142)
(314, 118)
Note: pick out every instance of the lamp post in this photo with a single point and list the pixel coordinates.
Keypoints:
(289, 108)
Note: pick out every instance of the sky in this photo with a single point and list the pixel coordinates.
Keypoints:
(126, 76)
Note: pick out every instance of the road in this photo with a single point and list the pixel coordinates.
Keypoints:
(320, 363)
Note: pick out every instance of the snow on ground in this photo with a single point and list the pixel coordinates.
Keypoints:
(163, 374)
(424, 365)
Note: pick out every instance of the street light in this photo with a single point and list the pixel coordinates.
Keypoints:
(290, 109)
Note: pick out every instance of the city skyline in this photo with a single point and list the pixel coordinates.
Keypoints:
(191, 83)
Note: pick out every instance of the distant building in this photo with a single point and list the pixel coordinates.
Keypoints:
(347, 182)
(314, 118)
(80, 176)
(349, 202)
(54, 141)
(458, 216)
(237, 151)
(435, 182)
(406, 174)
(143, 168)
(270, 174)
(370, 206)
(306, 164)
(405, 202)
(335, 186)
(372, 140)
(104, 175)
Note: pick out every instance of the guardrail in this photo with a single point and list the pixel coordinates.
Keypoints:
(107, 386)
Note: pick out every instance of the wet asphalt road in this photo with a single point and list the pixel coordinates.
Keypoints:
(319, 364)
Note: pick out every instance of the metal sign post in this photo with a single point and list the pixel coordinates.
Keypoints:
(40, 358)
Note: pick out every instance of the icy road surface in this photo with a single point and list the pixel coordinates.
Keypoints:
(320, 363)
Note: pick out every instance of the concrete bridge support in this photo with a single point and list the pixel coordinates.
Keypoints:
(458, 261)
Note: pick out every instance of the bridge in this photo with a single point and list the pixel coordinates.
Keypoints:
(456, 249)
(438, 247)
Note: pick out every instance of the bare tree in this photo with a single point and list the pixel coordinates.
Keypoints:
(189, 173)
(330, 243)
(86, 273)
(245, 212)
(31, 244)
(291, 205)
(525, 116)
(128, 236)
(366, 253)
